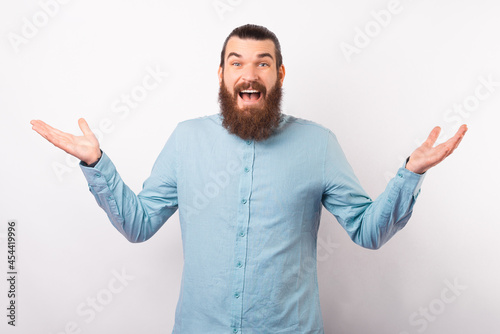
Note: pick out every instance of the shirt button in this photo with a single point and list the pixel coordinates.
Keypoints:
(235, 330)
(243, 201)
(97, 175)
(236, 295)
(242, 234)
(239, 264)
(247, 169)
(249, 142)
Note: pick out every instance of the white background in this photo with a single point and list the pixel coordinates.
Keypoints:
(381, 103)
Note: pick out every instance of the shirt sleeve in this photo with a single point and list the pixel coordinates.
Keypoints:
(137, 217)
(368, 223)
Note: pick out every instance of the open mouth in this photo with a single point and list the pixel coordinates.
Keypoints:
(250, 95)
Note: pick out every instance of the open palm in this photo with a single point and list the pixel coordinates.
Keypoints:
(85, 148)
(427, 156)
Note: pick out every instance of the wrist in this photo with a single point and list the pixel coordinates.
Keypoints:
(94, 159)
(412, 168)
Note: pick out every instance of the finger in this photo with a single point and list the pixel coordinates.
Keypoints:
(456, 145)
(53, 135)
(433, 136)
(461, 133)
(36, 124)
(82, 123)
(55, 138)
(462, 130)
(457, 142)
(453, 142)
(445, 149)
(42, 126)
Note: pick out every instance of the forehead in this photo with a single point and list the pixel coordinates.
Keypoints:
(249, 47)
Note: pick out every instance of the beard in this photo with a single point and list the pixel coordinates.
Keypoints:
(255, 123)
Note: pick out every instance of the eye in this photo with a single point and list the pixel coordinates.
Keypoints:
(264, 65)
(235, 63)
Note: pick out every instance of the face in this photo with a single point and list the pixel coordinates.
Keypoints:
(250, 88)
(249, 61)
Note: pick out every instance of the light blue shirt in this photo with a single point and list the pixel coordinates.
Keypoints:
(249, 214)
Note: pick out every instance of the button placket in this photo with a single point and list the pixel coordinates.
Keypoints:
(243, 215)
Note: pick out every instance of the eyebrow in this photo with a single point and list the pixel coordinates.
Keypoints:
(263, 55)
(260, 55)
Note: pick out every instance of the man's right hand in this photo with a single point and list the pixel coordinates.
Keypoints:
(85, 148)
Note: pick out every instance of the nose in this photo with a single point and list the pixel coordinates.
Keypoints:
(249, 74)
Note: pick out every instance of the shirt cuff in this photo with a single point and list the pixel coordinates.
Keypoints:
(103, 170)
(411, 181)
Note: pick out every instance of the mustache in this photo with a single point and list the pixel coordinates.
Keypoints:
(246, 85)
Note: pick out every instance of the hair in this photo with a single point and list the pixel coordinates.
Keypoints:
(256, 32)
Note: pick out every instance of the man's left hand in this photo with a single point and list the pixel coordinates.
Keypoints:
(427, 156)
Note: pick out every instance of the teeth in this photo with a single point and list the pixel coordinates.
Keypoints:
(250, 91)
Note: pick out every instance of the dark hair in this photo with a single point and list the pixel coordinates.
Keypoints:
(259, 33)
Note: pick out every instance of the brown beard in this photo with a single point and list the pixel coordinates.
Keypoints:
(257, 123)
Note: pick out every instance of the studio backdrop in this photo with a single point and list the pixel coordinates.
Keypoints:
(379, 74)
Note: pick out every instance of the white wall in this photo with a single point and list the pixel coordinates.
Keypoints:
(381, 102)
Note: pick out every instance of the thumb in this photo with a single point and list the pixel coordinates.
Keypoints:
(433, 136)
(82, 123)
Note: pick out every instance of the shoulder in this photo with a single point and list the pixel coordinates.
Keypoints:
(309, 127)
(200, 122)
(200, 125)
(304, 122)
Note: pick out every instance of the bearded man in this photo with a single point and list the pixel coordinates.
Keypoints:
(250, 183)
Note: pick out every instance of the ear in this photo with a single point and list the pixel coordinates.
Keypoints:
(281, 74)
(220, 72)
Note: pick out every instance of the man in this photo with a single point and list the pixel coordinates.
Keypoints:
(249, 184)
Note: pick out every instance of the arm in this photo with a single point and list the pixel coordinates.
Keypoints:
(372, 223)
(136, 217)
